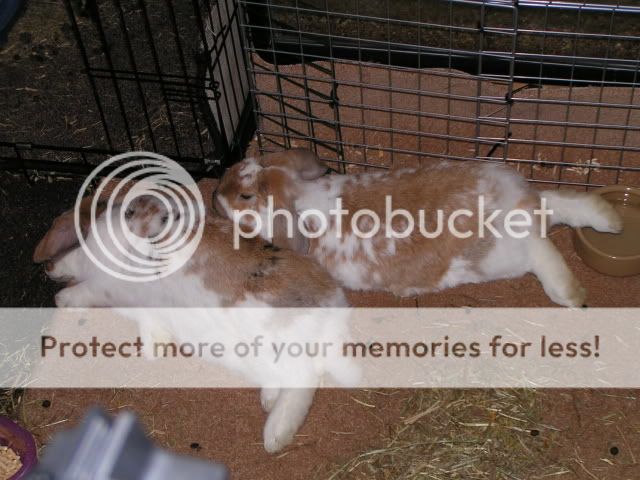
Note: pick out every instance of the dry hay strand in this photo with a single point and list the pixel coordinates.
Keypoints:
(10, 401)
(463, 434)
(15, 362)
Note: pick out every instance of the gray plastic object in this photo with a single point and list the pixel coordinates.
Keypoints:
(105, 449)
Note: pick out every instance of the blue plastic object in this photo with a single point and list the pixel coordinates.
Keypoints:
(106, 449)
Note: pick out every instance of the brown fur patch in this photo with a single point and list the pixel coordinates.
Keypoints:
(418, 263)
(415, 263)
(280, 277)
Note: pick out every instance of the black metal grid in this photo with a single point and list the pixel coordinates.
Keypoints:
(548, 87)
(161, 75)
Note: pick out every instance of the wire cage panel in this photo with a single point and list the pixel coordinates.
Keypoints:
(548, 87)
(227, 70)
(161, 75)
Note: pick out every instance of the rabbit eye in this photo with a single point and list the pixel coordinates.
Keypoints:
(128, 214)
(245, 196)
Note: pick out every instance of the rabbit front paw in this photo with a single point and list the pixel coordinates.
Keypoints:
(278, 432)
(286, 417)
(268, 398)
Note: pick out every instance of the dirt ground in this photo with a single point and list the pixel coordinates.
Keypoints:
(47, 99)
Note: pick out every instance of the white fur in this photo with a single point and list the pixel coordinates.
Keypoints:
(249, 171)
(321, 194)
(579, 209)
(96, 288)
(286, 416)
(459, 272)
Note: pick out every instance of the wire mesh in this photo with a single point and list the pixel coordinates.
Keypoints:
(161, 75)
(548, 87)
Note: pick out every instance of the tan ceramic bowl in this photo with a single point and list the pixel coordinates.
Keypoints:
(614, 254)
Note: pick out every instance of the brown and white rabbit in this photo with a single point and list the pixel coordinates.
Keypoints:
(256, 274)
(296, 181)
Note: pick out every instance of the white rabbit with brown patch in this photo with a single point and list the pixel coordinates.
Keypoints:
(424, 260)
(256, 274)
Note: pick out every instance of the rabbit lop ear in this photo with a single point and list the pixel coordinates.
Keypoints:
(286, 234)
(291, 238)
(305, 163)
(62, 235)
